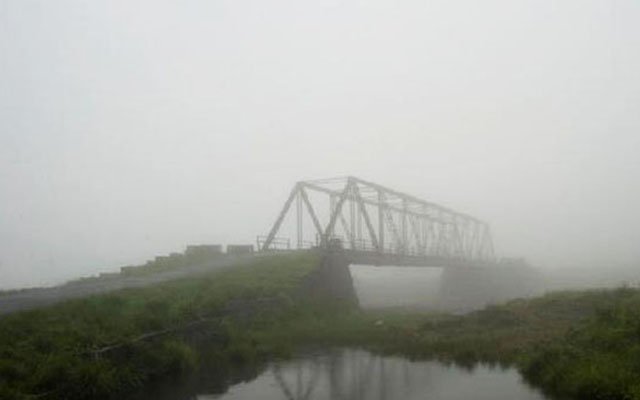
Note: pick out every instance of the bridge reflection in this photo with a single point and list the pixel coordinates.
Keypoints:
(344, 374)
(348, 375)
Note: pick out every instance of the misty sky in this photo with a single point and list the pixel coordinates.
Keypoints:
(129, 129)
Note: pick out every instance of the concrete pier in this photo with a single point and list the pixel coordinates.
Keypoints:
(331, 280)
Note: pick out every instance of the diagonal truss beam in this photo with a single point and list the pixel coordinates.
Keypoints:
(312, 212)
(416, 226)
(274, 230)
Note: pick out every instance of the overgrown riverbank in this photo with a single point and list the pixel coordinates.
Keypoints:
(107, 345)
(580, 345)
(573, 345)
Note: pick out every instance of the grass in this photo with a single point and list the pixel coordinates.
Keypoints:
(598, 360)
(52, 352)
(575, 344)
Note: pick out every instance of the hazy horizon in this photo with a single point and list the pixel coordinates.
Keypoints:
(131, 129)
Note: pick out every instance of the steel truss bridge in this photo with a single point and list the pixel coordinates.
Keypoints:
(377, 225)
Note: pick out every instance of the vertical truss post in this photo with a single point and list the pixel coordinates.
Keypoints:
(442, 237)
(299, 219)
(365, 214)
(345, 226)
(456, 239)
(359, 230)
(405, 230)
(381, 211)
(393, 229)
(415, 229)
(334, 215)
(352, 220)
(424, 229)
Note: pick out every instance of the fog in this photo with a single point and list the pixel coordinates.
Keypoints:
(131, 129)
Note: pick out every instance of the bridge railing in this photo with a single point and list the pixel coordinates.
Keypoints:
(277, 243)
(338, 241)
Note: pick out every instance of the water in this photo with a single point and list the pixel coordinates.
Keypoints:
(344, 374)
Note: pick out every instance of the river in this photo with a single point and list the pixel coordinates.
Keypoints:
(345, 374)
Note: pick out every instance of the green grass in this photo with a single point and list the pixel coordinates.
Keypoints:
(52, 350)
(597, 360)
(575, 344)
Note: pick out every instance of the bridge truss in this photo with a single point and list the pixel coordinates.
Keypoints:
(363, 216)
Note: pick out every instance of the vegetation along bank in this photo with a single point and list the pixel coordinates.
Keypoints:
(575, 345)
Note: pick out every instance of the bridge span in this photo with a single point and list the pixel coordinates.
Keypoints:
(353, 221)
(375, 225)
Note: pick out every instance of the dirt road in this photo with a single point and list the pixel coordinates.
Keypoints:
(40, 297)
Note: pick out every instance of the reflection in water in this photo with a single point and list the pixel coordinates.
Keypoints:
(356, 375)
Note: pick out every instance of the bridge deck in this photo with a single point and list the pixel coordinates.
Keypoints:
(407, 260)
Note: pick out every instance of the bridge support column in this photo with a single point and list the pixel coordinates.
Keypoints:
(331, 280)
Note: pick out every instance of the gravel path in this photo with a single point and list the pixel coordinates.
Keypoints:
(40, 297)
